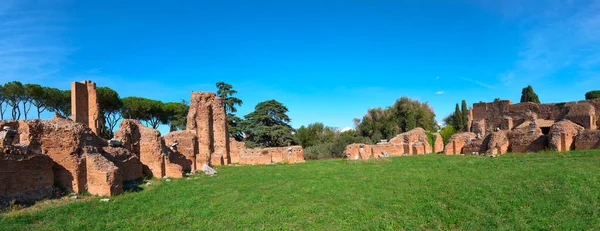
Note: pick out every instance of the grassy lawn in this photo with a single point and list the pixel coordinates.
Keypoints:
(514, 191)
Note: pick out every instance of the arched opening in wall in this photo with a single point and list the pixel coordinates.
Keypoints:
(545, 130)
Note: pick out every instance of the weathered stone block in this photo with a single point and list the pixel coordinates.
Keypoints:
(25, 177)
(103, 177)
(562, 135)
(588, 139)
(130, 166)
(184, 153)
(457, 142)
(527, 140)
(146, 143)
(358, 151)
(498, 143)
(438, 147)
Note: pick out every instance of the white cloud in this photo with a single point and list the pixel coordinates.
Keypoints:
(439, 93)
(30, 44)
(560, 38)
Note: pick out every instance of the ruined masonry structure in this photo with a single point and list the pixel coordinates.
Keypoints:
(208, 121)
(207, 118)
(413, 142)
(84, 104)
(70, 154)
(498, 127)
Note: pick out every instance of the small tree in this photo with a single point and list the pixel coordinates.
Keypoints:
(446, 132)
(465, 113)
(176, 113)
(528, 95)
(39, 97)
(58, 101)
(14, 92)
(110, 107)
(592, 95)
(147, 110)
(226, 92)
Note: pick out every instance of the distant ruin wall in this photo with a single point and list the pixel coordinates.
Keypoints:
(505, 115)
(244, 156)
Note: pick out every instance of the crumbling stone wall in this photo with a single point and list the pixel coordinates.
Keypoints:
(479, 127)
(503, 114)
(146, 143)
(562, 135)
(207, 118)
(477, 146)
(438, 147)
(220, 135)
(84, 105)
(528, 139)
(498, 143)
(236, 148)
(150, 147)
(389, 149)
(291, 155)
(583, 113)
(128, 164)
(414, 142)
(25, 177)
(79, 159)
(457, 142)
(587, 139)
(63, 141)
(358, 152)
(103, 176)
(184, 153)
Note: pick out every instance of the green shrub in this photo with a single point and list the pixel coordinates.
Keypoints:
(592, 94)
(431, 138)
(446, 132)
(319, 152)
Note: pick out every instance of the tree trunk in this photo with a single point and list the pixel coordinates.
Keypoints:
(25, 109)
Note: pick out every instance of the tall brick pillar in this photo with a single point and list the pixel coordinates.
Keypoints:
(220, 135)
(199, 120)
(207, 118)
(84, 105)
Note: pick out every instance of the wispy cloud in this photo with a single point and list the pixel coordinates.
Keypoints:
(565, 36)
(30, 43)
(439, 93)
(478, 83)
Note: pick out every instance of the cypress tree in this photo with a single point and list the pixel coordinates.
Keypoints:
(528, 95)
(465, 113)
(458, 118)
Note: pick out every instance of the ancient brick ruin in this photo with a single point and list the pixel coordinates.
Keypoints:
(69, 153)
(60, 152)
(500, 126)
(84, 104)
(414, 142)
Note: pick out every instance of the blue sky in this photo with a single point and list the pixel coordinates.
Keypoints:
(327, 61)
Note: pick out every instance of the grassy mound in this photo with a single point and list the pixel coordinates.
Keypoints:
(514, 191)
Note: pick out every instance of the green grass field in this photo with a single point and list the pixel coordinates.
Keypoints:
(514, 191)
